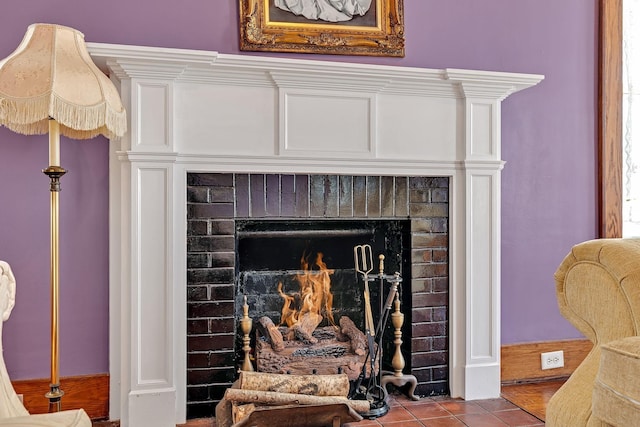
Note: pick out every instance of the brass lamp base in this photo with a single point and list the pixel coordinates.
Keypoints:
(54, 395)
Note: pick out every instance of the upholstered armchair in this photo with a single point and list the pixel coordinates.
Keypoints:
(598, 291)
(12, 412)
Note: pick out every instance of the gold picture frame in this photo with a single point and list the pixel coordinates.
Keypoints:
(379, 32)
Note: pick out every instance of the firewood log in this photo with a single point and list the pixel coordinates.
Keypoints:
(316, 385)
(274, 398)
(271, 332)
(357, 337)
(307, 323)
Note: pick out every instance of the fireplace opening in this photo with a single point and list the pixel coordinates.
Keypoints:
(300, 275)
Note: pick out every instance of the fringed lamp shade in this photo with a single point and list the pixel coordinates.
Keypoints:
(51, 76)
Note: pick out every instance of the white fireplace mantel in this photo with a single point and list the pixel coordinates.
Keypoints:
(198, 111)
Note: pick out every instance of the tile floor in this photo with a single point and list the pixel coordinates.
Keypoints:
(438, 412)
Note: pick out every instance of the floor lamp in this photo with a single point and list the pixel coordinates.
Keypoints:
(49, 84)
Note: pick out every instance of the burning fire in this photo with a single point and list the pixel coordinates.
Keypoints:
(314, 301)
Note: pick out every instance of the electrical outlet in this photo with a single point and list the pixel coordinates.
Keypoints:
(552, 359)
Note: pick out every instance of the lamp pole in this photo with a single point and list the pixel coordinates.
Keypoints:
(54, 172)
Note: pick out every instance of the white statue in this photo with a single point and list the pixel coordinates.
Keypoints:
(325, 10)
(12, 412)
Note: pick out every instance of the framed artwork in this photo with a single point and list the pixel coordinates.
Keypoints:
(340, 27)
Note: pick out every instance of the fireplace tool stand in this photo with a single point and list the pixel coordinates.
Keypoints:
(373, 391)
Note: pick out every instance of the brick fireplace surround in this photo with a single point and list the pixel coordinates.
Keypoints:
(204, 112)
(214, 201)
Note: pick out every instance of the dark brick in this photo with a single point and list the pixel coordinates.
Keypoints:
(402, 197)
(210, 243)
(209, 342)
(373, 197)
(422, 374)
(421, 285)
(421, 344)
(198, 260)
(210, 375)
(430, 299)
(257, 196)
(429, 240)
(439, 225)
(222, 292)
(222, 195)
(210, 275)
(210, 210)
(242, 195)
(223, 227)
(428, 330)
(440, 343)
(429, 210)
(421, 255)
(197, 392)
(223, 259)
(440, 255)
(197, 293)
(210, 179)
(272, 205)
(217, 390)
(197, 228)
(432, 389)
(416, 182)
(440, 373)
(197, 326)
(205, 359)
(434, 358)
(221, 326)
(419, 196)
(201, 409)
(197, 195)
(440, 195)
(440, 284)
(419, 271)
(387, 187)
(209, 309)
(419, 315)
(439, 314)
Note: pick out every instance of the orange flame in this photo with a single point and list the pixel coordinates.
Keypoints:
(315, 295)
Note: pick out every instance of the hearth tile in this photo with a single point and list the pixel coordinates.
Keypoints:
(410, 423)
(481, 420)
(457, 407)
(517, 417)
(427, 410)
(499, 404)
(397, 413)
(442, 422)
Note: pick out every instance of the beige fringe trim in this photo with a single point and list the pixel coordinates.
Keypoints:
(31, 116)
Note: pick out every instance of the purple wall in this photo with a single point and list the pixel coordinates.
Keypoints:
(549, 182)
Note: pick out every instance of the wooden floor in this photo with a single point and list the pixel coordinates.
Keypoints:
(532, 397)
